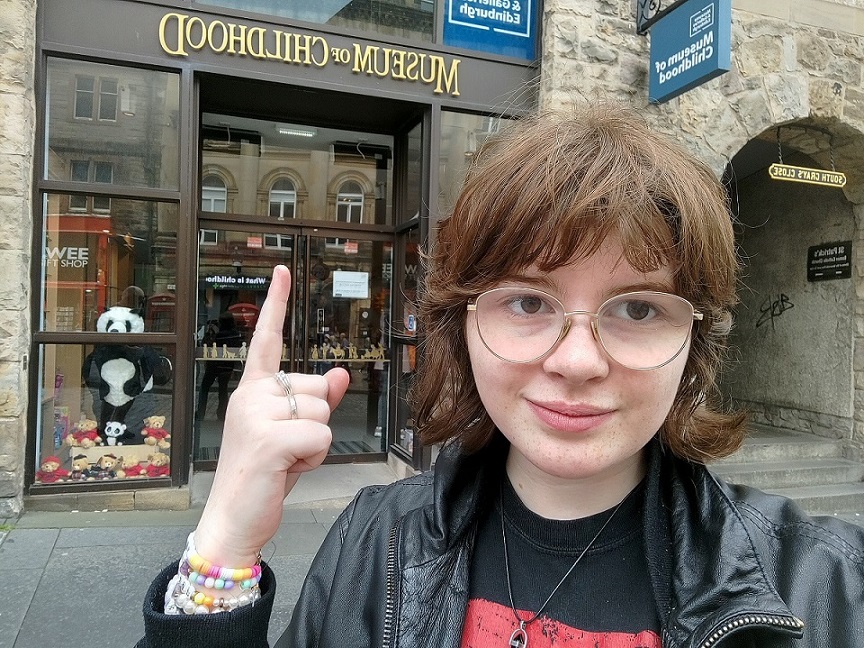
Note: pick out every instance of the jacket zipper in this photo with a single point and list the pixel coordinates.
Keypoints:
(392, 574)
(743, 620)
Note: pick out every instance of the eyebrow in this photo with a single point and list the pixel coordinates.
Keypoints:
(545, 282)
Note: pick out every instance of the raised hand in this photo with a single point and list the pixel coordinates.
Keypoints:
(264, 447)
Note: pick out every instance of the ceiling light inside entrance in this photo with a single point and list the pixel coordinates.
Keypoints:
(295, 131)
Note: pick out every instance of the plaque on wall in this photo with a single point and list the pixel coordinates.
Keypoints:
(829, 261)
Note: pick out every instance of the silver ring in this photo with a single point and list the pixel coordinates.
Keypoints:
(285, 383)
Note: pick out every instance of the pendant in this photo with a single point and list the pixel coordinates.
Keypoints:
(519, 638)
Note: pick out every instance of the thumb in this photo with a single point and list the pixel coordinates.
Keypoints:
(337, 384)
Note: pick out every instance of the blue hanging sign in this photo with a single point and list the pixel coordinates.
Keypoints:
(689, 46)
(505, 27)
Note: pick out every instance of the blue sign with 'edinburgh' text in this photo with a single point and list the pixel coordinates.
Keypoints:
(505, 27)
(689, 46)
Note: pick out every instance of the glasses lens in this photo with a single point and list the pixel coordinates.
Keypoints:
(519, 324)
(644, 330)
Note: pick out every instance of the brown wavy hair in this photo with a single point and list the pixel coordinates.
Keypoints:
(548, 190)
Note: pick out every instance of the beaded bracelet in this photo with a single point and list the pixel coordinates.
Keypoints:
(202, 572)
(183, 598)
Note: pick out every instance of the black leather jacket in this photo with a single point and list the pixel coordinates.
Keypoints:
(730, 567)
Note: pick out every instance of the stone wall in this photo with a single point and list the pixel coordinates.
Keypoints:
(793, 62)
(17, 124)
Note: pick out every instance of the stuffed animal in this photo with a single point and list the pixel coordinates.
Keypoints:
(85, 435)
(105, 467)
(50, 471)
(80, 469)
(154, 432)
(129, 468)
(122, 372)
(159, 465)
(114, 432)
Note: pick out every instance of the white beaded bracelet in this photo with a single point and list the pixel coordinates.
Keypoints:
(182, 598)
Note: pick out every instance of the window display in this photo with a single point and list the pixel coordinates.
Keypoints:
(105, 409)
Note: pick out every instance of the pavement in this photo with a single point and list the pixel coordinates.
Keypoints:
(79, 578)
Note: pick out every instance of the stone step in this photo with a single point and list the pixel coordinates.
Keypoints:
(765, 444)
(826, 500)
(767, 475)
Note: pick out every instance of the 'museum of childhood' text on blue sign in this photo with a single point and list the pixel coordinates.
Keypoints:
(506, 27)
(689, 46)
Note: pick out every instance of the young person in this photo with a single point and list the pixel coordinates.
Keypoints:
(574, 316)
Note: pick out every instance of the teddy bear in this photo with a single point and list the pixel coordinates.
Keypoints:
(105, 467)
(159, 465)
(50, 471)
(84, 435)
(154, 432)
(114, 432)
(80, 469)
(129, 468)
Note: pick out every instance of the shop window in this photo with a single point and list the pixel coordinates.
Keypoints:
(405, 18)
(283, 199)
(462, 135)
(82, 437)
(214, 194)
(123, 256)
(85, 103)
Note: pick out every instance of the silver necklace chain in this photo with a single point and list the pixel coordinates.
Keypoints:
(519, 638)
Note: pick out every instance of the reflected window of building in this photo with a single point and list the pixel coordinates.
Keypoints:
(87, 171)
(214, 194)
(462, 135)
(130, 115)
(405, 18)
(283, 198)
(124, 255)
(96, 97)
(278, 241)
(82, 437)
(295, 170)
(208, 237)
(349, 203)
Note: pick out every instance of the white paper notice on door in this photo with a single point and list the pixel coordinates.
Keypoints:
(353, 285)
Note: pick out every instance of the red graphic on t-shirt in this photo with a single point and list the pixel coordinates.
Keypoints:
(490, 624)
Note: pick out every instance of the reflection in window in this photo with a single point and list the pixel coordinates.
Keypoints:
(462, 135)
(349, 203)
(406, 18)
(282, 199)
(278, 241)
(86, 104)
(87, 171)
(125, 255)
(86, 95)
(214, 194)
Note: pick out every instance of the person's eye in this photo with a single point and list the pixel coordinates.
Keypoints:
(528, 304)
(636, 310)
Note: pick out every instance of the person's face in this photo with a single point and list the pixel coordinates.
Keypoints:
(576, 414)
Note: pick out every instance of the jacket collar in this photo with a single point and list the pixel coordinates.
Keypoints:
(714, 573)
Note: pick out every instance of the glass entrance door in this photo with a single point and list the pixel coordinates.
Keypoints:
(338, 316)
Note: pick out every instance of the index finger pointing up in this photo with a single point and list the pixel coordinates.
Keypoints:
(265, 350)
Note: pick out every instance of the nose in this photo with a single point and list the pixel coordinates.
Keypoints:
(578, 356)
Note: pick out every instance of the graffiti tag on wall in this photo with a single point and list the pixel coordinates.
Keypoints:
(772, 308)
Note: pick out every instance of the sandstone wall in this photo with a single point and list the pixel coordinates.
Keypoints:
(17, 123)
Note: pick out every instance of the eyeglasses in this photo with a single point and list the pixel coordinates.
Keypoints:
(639, 330)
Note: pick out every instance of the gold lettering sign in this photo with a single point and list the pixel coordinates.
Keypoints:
(809, 176)
(182, 34)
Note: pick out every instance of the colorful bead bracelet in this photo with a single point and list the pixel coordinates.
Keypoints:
(200, 571)
(183, 598)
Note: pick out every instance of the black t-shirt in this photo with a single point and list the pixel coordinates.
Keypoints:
(606, 601)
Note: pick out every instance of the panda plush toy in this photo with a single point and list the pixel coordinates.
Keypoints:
(122, 372)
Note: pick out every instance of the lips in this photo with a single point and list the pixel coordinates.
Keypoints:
(567, 417)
